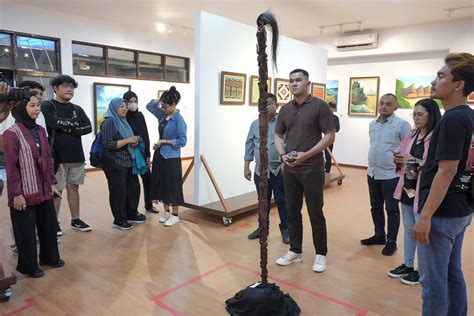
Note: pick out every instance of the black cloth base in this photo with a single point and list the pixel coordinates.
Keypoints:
(166, 178)
(264, 299)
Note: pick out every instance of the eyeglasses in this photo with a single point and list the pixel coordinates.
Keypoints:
(418, 114)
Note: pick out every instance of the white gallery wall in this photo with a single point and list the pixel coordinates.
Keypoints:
(69, 27)
(416, 50)
(221, 130)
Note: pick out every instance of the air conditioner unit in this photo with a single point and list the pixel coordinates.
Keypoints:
(354, 42)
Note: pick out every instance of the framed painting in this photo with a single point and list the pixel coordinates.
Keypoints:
(255, 91)
(282, 91)
(470, 98)
(103, 93)
(160, 93)
(411, 89)
(318, 90)
(233, 88)
(332, 90)
(363, 96)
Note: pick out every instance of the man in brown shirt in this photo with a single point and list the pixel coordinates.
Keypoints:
(302, 122)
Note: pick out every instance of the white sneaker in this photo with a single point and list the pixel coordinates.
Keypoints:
(164, 217)
(289, 258)
(320, 263)
(172, 220)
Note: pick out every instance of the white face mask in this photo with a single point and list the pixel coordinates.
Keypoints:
(133, 107)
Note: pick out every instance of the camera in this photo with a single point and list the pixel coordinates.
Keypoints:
(17, 94)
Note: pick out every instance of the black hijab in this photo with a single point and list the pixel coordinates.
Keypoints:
(21, 115)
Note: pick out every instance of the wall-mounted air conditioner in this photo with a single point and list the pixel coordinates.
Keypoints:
(354, 42)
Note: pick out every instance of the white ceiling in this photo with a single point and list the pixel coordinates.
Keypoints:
(298, 19)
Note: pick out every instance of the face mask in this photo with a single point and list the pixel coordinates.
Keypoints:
(133, 107)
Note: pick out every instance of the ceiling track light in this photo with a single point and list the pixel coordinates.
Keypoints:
(340, 26)
(449, 11)
(171, 28)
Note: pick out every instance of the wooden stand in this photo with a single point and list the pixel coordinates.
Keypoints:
(7, 279)
(334, 177)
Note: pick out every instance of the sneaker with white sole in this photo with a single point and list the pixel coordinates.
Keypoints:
(289, 258)
(173, 220)
(320, 263)
(164, 217)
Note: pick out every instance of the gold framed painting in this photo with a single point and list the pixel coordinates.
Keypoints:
(363, 96)
(282, 91)
(255, 90)
(470, 98)
(232, 88)
(318, 90)
(160, 93)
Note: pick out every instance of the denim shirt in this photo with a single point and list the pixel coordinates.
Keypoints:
(385, 139)
(175, 131)
(252, 147)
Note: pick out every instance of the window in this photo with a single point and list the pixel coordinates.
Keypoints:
(6, 59)
(88, 60)
(151, 66)
(43, 80)
(36, 54)
(122, 63)
(176, 69)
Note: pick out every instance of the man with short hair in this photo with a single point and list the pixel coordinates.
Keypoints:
(445, 196)
(302, 122)
(327, 156)
(67, 123)
(275, 177)
(386, 133)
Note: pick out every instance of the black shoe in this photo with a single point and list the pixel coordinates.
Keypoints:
(38, 273)
(400, 271)
(138, 218)
(58, 264)
(255, 234)
(123, 225)
(374, 240)
(152, 210)
(411, 279)
(78, 224)
(285, 237)
(390, 248)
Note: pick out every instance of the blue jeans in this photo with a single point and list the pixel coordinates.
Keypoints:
(381, 191)
(444, 289)
(275, 185)
(409, 245)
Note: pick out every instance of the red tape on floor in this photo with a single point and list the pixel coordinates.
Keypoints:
(29, 303)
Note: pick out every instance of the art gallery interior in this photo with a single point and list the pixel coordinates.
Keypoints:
(148, 46)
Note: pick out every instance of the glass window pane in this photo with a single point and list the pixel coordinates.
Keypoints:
(122, 63)
(176, 69)
(48, 90)
(36, 54)
(88, 60)
(5, 50)
(150, 66)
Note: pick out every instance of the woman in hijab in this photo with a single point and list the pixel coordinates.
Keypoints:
(30, 171)
(117, 163)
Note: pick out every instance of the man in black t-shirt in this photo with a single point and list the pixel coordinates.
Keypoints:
(67, 123)
(445, 200)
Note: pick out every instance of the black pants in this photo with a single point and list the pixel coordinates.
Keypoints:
(146, 181)
(275, 185)
(43, 217)
(124, 190)
(327, 158)
(311, 184)
(381, 191)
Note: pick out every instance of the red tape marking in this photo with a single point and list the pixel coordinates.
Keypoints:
(29, 303)
(190, 220)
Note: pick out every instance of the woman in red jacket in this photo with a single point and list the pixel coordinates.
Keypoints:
(30, 174)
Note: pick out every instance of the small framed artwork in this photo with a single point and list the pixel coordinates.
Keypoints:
(103, 94)
(318, 90)
(255, 90)
(232, 88)
(363, 96)
(332, 91)
(282, 91)
(160, 93)
(470, 98)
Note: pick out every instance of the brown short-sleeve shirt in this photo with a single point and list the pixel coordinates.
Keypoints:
(303, 126)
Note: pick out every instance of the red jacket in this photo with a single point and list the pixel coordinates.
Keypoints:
(43, 167)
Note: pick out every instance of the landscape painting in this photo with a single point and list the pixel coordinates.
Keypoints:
(363, 96)
(332, 90)
(411, 89)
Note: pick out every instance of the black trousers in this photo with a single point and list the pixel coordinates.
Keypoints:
(124, 190)
(311, 184)
(43, 217)
(146, 182)
(327, 158)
